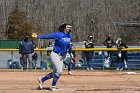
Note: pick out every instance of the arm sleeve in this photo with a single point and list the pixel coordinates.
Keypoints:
(70, 51)
(49, 36)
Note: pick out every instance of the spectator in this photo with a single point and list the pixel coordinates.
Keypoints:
(109, 42)
(89, 54)
(26, 49)
(122, 55)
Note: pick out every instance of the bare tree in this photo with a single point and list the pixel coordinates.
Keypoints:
(86, 16)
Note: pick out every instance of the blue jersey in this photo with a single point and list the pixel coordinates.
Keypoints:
(62, 42)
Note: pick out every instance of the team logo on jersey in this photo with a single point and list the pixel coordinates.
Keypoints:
(66, 39)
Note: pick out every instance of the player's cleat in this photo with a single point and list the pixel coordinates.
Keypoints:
(53, 88)
(70, 73)
(40, 83)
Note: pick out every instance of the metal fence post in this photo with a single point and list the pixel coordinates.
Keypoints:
(103, 58)
(12, 56)
(40, 59)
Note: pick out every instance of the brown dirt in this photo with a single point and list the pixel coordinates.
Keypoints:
(81, 81)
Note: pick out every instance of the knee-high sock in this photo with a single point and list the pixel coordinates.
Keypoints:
(48, 76)
(55, 79)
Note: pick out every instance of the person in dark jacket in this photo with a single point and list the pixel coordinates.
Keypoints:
(26, 49)
(89, 54)
(109, 42)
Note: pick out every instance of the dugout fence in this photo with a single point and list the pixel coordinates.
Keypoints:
(98, 60)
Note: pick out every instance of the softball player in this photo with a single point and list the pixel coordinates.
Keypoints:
(62, 44)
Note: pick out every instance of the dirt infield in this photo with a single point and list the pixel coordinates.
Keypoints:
(81, 82)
